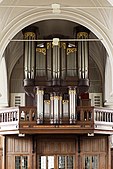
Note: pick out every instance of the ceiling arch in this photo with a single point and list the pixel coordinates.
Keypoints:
(46, 15)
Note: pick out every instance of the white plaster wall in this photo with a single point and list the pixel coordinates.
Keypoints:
(3, 84)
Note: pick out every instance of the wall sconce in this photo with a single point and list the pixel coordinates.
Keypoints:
(56, 8)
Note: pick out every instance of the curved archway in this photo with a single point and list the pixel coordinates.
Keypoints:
(26, 19)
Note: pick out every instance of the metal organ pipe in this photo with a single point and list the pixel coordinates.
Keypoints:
(60, 108)
(63, 60)
(47, 109)
(40, 106)
(56, 108)
(72, 105)
(83, 55)
(51, 109)
(56, 62)
(65, 108)
(29, 53)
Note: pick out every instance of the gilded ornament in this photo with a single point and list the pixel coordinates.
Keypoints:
(41, 50)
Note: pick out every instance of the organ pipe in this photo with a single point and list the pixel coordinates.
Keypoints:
(51, 109)
(83, 54)
(60, 108)
(47, 109)
(49, 60)
(63, 60)
(72, 105)
(65, 108)
(55, 108)
(56, 62)
(40, 111)
(29, 53)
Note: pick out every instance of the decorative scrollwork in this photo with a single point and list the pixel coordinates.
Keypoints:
(29, 34)
(41, 50)
(82, 35)
(71, 50)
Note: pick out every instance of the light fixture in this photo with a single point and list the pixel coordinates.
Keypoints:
(55, 41)
(90, 134)
(56, 8)
(21, 135)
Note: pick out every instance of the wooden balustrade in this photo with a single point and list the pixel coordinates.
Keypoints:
(27, 114)
(85, 114)
(87, 118)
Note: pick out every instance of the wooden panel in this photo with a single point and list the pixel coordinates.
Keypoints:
(1, 151)
(18, 145)
(103, 144)
(1, 141)
(93, 147)
(111, 158)
(9, 144)
(58, 146)
(103, 161)
(1, 159)
(86, 145)
(10, 162)
(94, 144)
(22, 145)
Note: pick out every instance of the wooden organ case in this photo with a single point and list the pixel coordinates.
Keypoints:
(56, 75)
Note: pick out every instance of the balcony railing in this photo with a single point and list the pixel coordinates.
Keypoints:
(87, 120)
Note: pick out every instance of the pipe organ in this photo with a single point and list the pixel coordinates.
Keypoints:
(56, 75)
